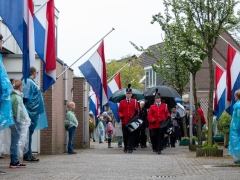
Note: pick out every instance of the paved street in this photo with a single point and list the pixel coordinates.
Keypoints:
(100, 162)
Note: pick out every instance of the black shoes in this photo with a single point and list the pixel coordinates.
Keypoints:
(31, 159)
(159, 152)
(125, 150)
(130, 151)
(72, 153)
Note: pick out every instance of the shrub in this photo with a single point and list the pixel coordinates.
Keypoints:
(224, 123)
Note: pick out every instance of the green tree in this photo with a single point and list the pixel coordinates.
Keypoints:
(209, 19)
(131, 74)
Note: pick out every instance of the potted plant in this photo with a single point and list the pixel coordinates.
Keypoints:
(224, 126)
(208, 150)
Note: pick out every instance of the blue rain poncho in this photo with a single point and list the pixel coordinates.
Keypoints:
(6, 89)
(34, 105)
(234, 136)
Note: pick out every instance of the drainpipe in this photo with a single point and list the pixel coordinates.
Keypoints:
(65, 79)
(85, 114)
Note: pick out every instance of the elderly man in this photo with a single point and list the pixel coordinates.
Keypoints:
(127, 109)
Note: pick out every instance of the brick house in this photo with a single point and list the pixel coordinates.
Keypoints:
(202, 78)
(51, 140)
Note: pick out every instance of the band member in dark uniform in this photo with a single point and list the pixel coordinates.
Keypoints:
(127, 108)
(143, 117)
(156, 115)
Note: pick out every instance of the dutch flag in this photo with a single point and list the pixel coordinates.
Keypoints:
(113, 86)
(18, 16)
(44, 24)
(93, 103)
(220, 92)
(94, 70)
(232, 77)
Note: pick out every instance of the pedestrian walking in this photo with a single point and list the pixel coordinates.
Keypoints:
(157, 113)
(143, 117)
(175, 117)
(110, 131)
(118, 133)
(127, 109)
(71, 123)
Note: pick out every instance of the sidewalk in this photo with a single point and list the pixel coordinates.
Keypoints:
(100, 162)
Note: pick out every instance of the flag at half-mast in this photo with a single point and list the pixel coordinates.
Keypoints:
(93, 103)
(44, 24)
(113, 86)
(18, 16)
(232, 76)
(94, 70)
(220, 92)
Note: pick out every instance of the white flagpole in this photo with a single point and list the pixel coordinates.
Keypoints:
(85, 53)
(219, 65)
(118, 71)
(228, 43)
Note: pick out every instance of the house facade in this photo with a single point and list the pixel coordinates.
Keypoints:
(51, 140)
(202, 78)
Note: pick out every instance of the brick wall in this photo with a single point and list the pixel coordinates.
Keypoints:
(52, 138)
(78, 98)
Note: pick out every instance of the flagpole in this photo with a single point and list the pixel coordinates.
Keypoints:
(219, 65)
(41, 7)
(85, 53)
(228, 43)
(118, 71)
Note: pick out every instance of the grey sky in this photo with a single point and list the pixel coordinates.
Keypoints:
(83, 23)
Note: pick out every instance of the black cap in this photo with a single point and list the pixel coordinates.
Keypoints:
(129, 90)
(157, 94)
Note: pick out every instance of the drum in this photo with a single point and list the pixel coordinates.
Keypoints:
(134, 123)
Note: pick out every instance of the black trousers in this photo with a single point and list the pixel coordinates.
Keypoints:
(136, 137)
(174, 136)
(157, 139)
(143, 137)
(127, 138)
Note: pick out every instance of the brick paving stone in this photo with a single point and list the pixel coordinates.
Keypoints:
(100, 162)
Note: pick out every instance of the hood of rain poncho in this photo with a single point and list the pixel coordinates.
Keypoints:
(234, 136)
(34, 105)
(6, 89)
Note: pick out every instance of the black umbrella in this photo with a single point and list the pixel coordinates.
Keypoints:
(164, 91)
(167, 95)
(120, 95)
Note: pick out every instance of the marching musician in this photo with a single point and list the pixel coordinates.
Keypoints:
(157, 113)
(127, 109)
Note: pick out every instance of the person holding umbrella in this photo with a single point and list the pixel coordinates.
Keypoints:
(157, 113)
(127, 109)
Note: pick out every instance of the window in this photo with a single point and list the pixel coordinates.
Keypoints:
(150, 78)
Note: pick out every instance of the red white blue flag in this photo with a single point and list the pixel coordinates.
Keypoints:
(232, 77)
(220, 92)
(113, 86)
(18, 16)
(44, 24)
(94, 70)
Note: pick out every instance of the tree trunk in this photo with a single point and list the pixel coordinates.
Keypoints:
(196, 107)
(184, 127)
(210, 97)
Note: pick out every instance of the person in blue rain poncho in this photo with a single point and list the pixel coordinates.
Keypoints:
(234, 136)
(6, 89)
(33, 101)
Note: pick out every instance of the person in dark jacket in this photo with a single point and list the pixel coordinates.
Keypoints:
(175, 117)
(143, 117)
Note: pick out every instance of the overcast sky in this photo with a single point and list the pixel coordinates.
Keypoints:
(82, 23)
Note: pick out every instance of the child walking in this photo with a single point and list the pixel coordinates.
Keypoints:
(19, 131)
(71, 123)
